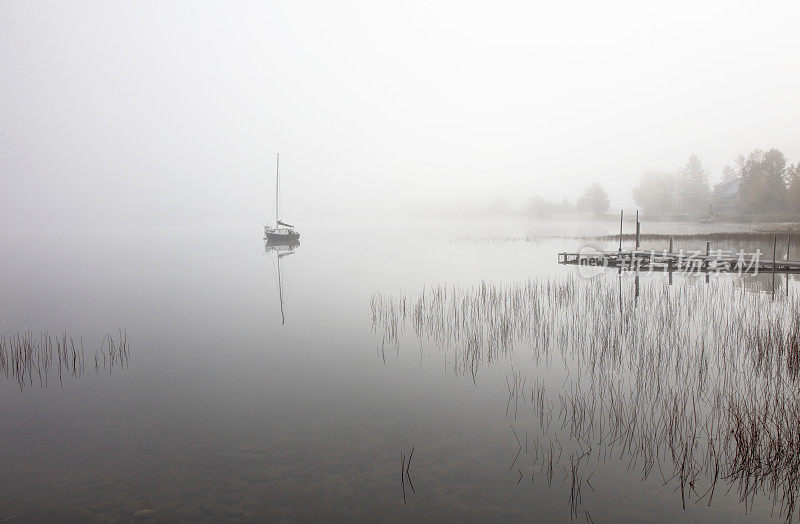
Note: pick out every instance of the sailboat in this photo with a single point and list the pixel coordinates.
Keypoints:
(282, 232)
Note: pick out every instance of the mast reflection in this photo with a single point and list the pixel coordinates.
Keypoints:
(282, 249)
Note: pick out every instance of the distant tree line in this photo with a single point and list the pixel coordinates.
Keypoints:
(594, 200)
(762, 183)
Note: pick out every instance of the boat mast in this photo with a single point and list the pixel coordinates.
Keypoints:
(277, 190)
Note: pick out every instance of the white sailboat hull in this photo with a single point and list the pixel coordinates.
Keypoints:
(281, 234)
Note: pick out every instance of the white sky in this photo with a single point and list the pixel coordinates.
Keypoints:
(156, 111)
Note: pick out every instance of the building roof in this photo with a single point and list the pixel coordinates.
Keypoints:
(727, 188)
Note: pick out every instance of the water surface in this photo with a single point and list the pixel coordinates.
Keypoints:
(229, 409)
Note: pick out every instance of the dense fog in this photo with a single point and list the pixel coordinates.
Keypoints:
(171, 113)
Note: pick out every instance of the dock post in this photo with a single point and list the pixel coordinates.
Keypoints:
(637, 229)
(620, 229)
(774, 250)
(669, 261)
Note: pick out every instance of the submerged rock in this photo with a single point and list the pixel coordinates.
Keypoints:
(143, 514)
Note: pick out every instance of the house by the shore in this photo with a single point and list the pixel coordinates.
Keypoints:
(726, 197)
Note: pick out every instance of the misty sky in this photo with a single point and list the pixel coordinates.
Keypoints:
(172, 112)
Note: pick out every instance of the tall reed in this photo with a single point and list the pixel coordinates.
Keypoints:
(26, 358)
(696, 383)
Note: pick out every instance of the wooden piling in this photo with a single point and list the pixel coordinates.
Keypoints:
(774, 253)
(669, 263)
(621, 211)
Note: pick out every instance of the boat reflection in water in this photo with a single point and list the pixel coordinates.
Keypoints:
(282, 249)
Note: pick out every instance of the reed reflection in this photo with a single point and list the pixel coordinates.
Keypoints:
(696, 385)
(27, 359)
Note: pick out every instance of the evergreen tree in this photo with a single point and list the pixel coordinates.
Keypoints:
(764, 182)
(693, 187)
(728, 173)
(775, 180)
(655, 193)
(594, 199)
(793, 193)
(752, 189)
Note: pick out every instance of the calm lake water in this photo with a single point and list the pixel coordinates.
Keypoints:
(227, 410)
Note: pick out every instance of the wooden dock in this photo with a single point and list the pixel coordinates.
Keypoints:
(682, 261)
(712, 261)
